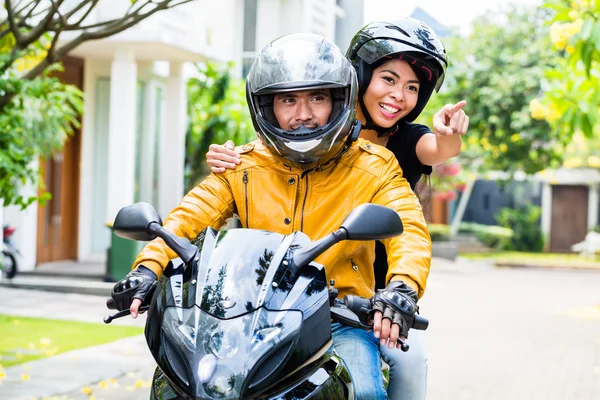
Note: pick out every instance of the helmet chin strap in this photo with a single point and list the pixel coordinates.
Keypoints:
(370, 125)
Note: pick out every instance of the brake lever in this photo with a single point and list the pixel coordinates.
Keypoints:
(109, 318)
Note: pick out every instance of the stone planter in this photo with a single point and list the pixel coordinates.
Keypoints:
(447, 250)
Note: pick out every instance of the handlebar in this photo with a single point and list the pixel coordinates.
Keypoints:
(356, 311)
(362, 308)
(110, 304)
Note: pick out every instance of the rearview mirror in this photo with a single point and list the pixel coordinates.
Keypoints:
(132, 222)
(140, 221)
(366, 222)
(372, 222)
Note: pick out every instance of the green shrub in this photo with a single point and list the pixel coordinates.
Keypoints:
(439, 232)
(525, 224)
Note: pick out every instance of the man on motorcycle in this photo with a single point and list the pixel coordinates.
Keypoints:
(307, 172)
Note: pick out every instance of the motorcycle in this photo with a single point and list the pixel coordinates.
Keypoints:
(8, 263)
(246, 313)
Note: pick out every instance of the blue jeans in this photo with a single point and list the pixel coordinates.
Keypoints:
(360, 351)
(408, 371)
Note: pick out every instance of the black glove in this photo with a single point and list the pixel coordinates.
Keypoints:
(398, 303)
(137, 284)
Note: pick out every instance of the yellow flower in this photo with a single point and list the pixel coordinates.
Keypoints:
(86, 390)
(537, 109)
(45, 342)
(103, 384)
(570, 49)
(552, 114)
(503, 147)
(112, 381)
(24, 377)
(485, 143)
(2, 375)
(92, 397)
(594, 161)
(573, 14)
(515, 137)
(139, 384)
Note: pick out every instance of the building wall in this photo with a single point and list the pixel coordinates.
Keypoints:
(488, 198)
(349, 19)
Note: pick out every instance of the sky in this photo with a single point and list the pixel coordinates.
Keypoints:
(456, 13)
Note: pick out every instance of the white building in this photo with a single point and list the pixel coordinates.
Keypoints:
(131, 143)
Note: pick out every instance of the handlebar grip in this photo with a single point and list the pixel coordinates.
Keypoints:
(110, 304)
(362, 308)
(420, 323)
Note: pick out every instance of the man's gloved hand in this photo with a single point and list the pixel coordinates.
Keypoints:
(137, 284)
(398, 303)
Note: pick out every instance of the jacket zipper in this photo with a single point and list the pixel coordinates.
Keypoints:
(245, 180)
(357, 272)
(303, 204)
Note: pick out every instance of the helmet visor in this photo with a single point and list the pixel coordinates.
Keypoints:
(307, 64)
(377, 49)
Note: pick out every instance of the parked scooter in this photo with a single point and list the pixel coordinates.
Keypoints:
(245, 313)
(8, 262)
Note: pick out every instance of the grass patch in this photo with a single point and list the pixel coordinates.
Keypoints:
(515, 257)
(27, 339)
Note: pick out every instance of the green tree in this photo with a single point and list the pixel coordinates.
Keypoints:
(37, 111)
(499, 70)
(571, 102)
(218, 112)
(41, 114)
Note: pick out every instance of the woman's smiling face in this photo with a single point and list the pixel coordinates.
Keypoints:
(392, 93)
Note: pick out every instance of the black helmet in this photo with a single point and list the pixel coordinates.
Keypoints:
(412, 40)
(303, 62)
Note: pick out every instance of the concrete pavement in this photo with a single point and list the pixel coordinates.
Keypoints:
(504, 333)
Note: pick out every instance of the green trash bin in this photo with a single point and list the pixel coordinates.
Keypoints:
(121, 256)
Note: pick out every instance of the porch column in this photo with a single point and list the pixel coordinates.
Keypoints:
(593, 206)
(121, 133)
(546, 213)
(147, 143)
(172, 148)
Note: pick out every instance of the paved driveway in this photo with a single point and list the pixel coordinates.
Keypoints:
(512, 333)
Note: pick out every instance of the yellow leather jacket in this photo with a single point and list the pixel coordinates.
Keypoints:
(266, 194)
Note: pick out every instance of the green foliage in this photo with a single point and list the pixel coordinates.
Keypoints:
(573, 93)
(218, 112)
(499, 70)
(36, 122)
(439, 232)
(495, 237)
(525, 224)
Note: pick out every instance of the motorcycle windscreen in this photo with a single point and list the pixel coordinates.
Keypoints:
(236, 271)
(224, 357)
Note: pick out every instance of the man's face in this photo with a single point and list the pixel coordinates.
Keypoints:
(310, 108)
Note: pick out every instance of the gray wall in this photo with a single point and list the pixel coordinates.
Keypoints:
(489, 197)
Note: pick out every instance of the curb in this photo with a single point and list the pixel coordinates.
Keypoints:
(60, 285)
(503, 264)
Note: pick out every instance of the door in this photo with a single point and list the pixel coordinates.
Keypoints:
(58, 219)
(569, 216)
